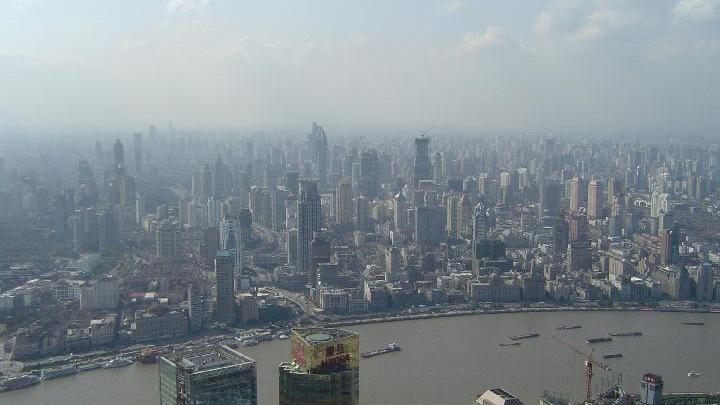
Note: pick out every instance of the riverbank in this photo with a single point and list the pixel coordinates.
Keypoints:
(413, 317)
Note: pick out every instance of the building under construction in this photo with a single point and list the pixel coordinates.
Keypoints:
(215, 375)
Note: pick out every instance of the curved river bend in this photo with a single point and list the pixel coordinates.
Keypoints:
(450, 360)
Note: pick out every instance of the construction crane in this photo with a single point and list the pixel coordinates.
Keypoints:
(589, 362)
(425, 132)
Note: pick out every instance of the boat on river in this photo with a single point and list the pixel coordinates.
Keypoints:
(392, 347)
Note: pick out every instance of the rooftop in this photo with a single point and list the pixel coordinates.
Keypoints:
(314, 336)
(210, 358)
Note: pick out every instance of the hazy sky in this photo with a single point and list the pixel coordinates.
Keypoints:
(88, 65)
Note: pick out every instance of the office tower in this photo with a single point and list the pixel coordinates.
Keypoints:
(344, 203)
(215, 375)
(651, 390)
(205, 179)
(218, 178)
(225, 286)
(392, 260)
(291, 211)
(233, 240)
(451, 216)
(579, 256)
(578, 193)
(292, 246)
(139, 208)
(561, 235)
(195, 312)
(465, 217)
(550, 192)
(422, 168)
(118, 157)
(321, 249)
(400, 212)
(308, 221)
(256, 202)
(317, 142)
(108, 223)
(61, 211)
(670, 245)
(594, 204)
(292, 183)
(437, 168)
(138, 153)
(578, 227)
(610, 191)
(481, 222)
(369, 181)
(325, 368)
(167, 241)
(363, 222)
(429, 223)
(279, 196)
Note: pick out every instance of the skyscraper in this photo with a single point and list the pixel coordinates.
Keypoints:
(369, 181)
(344, 204)
(118, 157)
(225, 286)
(215, 375)
(308, 222)
(325, 368)
(195, 315)
(317, 141)
(578, 193)
(422, 168)
(138, 153)
(594, 204)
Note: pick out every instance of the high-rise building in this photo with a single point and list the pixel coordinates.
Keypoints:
(465, 217)
(651, 390)
(308, 222)
(481, 222)
(422, 169)
(167, 241)
(317, 141)
(232, 240)
(118, 157)
(670, 245)
(139, 208)
(225, 286)
(578, 193)
(549, 198)
(325, 368)
(400, 212)
(344, 204)
(594, 204)
(392, 260)
(369, 181)
(363, 222)
(195, 313)
(215, 375)
(138, 153)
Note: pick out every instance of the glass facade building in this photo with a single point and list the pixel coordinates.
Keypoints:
(216, 375)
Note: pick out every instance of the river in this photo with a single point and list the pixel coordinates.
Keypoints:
(450, 360)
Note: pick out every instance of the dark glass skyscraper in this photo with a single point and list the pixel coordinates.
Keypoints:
(308, 222)
(422, 167)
